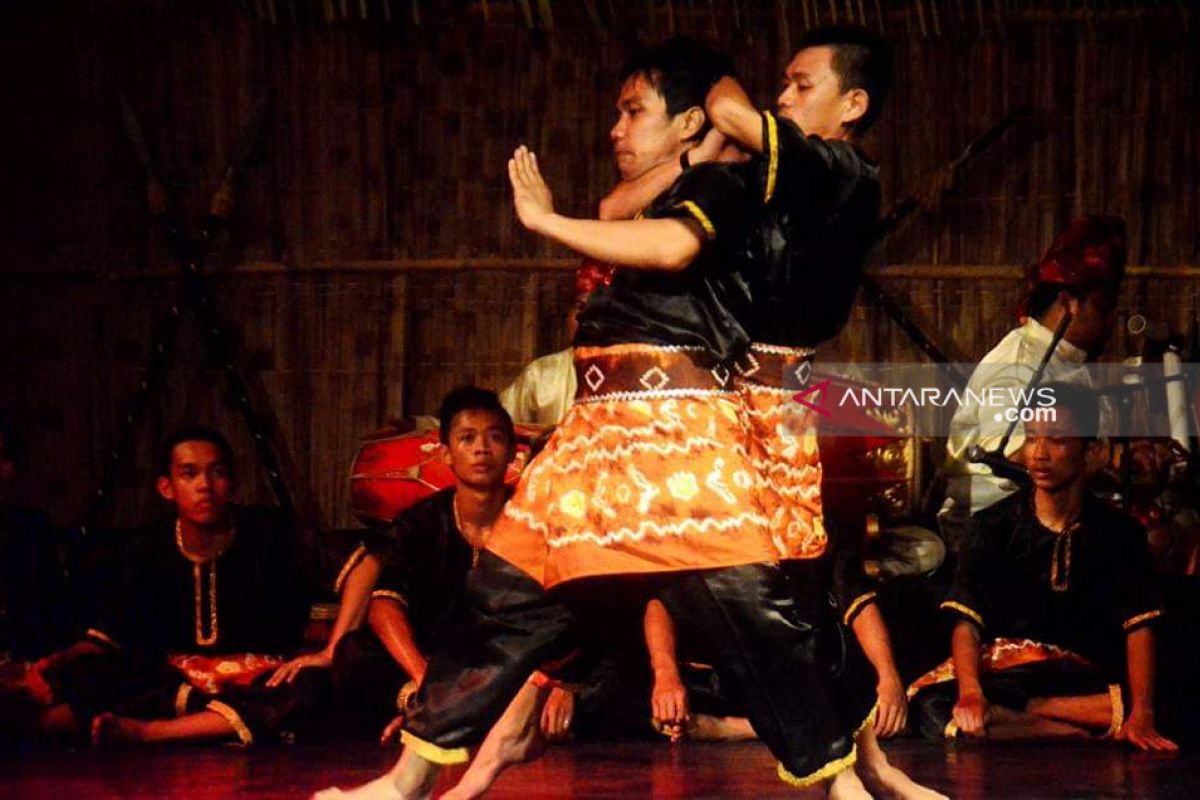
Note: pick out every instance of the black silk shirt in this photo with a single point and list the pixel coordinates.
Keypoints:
(265, 586)
(1085, 593)
(704, 304)
(425, 564)
(822, 204)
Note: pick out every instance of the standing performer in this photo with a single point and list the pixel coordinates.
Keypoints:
(822, 200)
(648, 473)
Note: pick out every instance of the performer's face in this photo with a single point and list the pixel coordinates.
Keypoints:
(645, 134)
(812, 96)
(479, 448)
(1055, 454)
(200, 483)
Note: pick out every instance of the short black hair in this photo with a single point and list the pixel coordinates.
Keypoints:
(680, 69)
(471, 398)
(861, 59)
(192, 433)
(1083, 404)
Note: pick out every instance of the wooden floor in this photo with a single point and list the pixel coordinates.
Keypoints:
(621, 770)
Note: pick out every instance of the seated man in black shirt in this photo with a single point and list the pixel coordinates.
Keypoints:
(1053, 603)
(197, 613)
(425, 561)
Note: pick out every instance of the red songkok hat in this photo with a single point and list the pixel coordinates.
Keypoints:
(1090, 252)
(592, 274)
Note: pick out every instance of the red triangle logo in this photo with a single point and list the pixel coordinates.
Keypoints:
(819, 389)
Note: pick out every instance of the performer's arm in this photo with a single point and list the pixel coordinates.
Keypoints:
(389, 621)
(668, 699)
(731, 112)
(352, 608)
(656, 244)
(873, 636)
(1139, 729)
(629, 198)
(971, 710)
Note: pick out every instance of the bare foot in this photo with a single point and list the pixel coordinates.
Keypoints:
(707, 728)
(516, 737)
(109, 729)
(885, 780)
(381, 788)
(846, 786)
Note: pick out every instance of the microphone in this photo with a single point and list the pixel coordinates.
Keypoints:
(1000, 466)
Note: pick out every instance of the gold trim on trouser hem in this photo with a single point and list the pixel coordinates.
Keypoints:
(859, 603)
(353, 561)
(181, 698)
(833, 767)
(234, 719)
(431, 752)
(1118, 710)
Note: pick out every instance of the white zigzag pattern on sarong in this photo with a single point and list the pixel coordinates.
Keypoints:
(693, 443)
(646, 528)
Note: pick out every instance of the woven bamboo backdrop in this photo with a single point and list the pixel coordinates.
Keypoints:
(352, 271)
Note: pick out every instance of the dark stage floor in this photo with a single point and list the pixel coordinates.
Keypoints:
(623, 770)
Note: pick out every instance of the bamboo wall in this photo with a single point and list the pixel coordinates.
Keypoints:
(373, 262)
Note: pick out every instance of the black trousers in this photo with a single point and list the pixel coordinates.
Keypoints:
(780, 645)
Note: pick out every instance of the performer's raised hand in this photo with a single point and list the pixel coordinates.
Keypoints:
(531, 195)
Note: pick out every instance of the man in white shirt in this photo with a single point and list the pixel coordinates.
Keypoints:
(1081, 273)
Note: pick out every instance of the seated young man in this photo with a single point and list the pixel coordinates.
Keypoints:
(1053, 605)
(200, 609)
(424, 564)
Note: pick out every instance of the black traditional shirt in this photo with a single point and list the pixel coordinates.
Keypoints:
(822, 200)
(704, 304)
(1083, 591)
(158, 600)
(425, 564)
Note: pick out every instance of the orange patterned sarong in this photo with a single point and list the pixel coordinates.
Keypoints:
(648, 472)
(783, 447)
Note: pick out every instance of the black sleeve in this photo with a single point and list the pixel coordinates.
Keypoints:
(853, 589)
(791, 160)
(123, 591)
(295, 578)
(715, 196)
(1138, 597)
(967, 598)
(404, 558)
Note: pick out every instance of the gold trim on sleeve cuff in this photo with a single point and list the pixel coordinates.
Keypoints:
(353, 561)
(388, 594)
(234, 719)
(700, 216)
(181, 698)
(431, 752)
(960, 608)
(1118, 711)
(773, 155)
(858, 605)
(102, 637)
(1133, 622)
